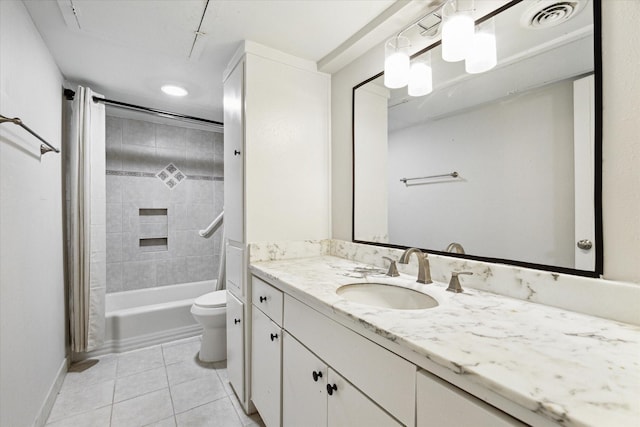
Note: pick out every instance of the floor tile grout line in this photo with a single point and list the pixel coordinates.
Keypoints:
(56, 420)
(166, 374)
(113, 396)
(204, 404)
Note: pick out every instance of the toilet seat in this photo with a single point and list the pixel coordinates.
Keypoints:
(215, 299)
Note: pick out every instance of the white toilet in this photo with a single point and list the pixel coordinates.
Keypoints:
(210, 310)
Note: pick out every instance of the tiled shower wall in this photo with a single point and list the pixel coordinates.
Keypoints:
(153, 218)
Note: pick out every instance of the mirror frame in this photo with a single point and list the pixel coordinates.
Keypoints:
(597, 185)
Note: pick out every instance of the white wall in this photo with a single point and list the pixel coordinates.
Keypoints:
(506, 168)
(621, 143)
(621, 175)
(32, 302)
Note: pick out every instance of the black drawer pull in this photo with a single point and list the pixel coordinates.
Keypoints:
(236, 153)
(236, 321)
(331, 389)
(263, 299)
(317, 375)
(274, 336)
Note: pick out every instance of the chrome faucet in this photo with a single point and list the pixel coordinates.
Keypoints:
(424, 270)
(455, 247)
(454, 283)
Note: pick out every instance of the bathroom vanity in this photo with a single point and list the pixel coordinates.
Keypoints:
(477, 358)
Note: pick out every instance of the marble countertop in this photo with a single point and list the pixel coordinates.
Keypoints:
(571, 368)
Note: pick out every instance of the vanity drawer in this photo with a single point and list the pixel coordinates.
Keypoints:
(386, 378)
(267, 298)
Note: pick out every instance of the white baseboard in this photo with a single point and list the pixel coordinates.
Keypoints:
(141, 341)
(47, 405)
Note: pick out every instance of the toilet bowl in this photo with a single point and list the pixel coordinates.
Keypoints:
(210, 310)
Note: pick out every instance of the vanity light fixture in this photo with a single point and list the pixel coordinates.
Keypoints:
(482, 55)
(174, 90)
(396, 62)
(457, 29)
(421, 76)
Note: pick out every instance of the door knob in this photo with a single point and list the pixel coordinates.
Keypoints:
(274, 336)
(585, 244)
(236, 321)
(317, 375)
(263, 299)
(236, 153)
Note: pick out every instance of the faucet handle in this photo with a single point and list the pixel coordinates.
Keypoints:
(393, 269)
(454, 283)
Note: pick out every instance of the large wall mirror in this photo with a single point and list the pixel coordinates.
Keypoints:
(500, 166)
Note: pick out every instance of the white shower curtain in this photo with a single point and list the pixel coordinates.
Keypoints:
(86, 253)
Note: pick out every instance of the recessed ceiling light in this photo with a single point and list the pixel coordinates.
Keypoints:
(174, 90)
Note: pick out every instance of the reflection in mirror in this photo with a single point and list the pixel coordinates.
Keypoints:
(500, 163)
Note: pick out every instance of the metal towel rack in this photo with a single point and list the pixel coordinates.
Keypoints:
(45, 147)
(452, 174)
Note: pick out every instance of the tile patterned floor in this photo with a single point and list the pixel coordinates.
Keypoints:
(163, 385)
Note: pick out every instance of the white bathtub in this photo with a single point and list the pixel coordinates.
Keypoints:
(145, 317)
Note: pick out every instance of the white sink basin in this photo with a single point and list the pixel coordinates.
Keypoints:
(386, 296)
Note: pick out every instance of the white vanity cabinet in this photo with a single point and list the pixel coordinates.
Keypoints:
(304, 386)
(276, 164)
(235, 344)
(440, 404)
(314, 395)
(266, 354)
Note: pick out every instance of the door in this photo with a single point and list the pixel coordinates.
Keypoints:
(583, 153)
(234, 154)
(348, 407)
(304, 381)
(235, 344)
(266, 368)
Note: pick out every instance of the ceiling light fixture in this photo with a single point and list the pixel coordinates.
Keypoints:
(174, 90)
(482, 56)
(459, 42)
(396, 62)
(421, 76)
(457, 29)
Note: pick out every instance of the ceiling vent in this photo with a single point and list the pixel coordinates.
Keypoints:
(549, 13)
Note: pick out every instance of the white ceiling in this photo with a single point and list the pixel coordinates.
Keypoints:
(127, 49)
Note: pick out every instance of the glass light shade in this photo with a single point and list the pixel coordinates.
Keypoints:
(421, 76)
(457, 32)
(396, 62)
(482, 55)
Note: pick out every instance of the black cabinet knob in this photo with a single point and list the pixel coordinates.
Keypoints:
(274, 336)
(236, 153)
(317, 375)
(263, 299)
(331, 389)
(236, 321)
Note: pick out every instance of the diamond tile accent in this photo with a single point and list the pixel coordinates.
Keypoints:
(171, 176)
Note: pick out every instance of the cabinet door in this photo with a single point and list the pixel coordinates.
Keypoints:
(266, 368)
(234, 154)
(235, 344)
(444, 405)
(347, 406)
(304, 382)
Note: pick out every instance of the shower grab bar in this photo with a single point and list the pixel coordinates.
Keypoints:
(45, 147)
(452, 174)
(206, 233)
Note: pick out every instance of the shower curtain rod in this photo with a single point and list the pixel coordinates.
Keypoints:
(69, 94)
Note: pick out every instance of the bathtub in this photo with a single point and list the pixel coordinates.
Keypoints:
(144, 317)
